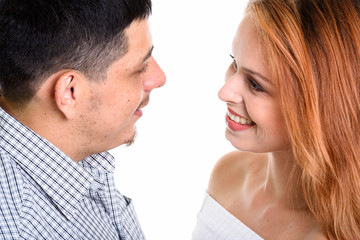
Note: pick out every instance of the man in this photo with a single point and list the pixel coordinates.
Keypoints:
(74, 76)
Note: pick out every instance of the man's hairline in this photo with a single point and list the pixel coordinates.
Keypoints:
(124, 51)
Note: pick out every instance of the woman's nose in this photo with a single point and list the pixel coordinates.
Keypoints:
(231, 90)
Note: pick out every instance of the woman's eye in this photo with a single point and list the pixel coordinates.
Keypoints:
(234, 62)
(254, 85)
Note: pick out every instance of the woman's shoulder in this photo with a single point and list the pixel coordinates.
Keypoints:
(231, 170)
(316, 233)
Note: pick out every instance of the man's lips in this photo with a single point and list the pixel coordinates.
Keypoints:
(145, 102)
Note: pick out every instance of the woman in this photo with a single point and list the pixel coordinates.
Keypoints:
(293, 98)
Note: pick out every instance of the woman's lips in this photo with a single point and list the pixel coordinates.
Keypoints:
(236, 122)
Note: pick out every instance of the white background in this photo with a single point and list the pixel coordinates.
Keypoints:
(181, 134)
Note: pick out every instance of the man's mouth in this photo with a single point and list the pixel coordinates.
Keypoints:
(144, 102)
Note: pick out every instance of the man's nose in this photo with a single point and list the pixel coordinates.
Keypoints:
(155, 77)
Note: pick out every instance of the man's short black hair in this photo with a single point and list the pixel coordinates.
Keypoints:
(41, 37)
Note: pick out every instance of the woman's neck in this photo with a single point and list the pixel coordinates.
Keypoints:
(283, 181)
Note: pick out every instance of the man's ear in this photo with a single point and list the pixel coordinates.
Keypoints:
(66, 93)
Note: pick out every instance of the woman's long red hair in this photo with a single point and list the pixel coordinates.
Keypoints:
(313, 50)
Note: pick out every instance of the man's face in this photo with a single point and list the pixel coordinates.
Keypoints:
(115, 103)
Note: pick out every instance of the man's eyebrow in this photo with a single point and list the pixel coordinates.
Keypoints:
(148, 54)
(255, 74)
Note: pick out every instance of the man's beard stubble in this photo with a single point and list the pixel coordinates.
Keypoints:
(131, 140)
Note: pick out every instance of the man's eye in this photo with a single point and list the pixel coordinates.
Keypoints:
(144, 68)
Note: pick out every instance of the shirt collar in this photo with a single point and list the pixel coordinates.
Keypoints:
(62, 179)
(103, 162)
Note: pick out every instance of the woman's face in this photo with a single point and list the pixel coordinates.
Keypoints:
(254, 120)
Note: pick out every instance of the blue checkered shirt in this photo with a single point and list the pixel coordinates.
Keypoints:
(46, 195)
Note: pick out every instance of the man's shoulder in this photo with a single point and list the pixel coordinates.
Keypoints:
(21, 202)
(11, 191)
(10, 172)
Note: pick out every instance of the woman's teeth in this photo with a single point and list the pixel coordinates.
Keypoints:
(240, 120)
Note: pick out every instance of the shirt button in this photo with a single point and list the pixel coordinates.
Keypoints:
(95, 186)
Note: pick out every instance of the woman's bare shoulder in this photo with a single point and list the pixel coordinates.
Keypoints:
(229, 172)
(316, 234)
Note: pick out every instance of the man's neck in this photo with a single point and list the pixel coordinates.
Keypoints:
(48, 123)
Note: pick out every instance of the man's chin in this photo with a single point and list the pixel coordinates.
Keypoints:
(130, 141)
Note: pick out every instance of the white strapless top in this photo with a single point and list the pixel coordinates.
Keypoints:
(214, 222)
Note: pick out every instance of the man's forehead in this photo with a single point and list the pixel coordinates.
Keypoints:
(139, 43)
(138, 32)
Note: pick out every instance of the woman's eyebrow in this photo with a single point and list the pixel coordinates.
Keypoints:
(255, 73)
